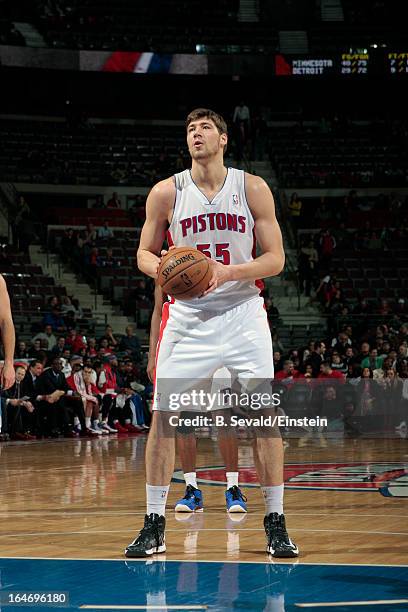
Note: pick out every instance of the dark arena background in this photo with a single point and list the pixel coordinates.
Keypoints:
(94, 96)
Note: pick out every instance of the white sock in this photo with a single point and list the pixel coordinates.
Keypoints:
(156, 497)
(76, 421)
(95, 423)
(191, 479)
(232, 479)
(273, 497)
(88, 422)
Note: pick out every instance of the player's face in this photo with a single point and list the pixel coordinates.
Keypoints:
(204, 140)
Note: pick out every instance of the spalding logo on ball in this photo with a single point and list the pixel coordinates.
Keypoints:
(184, 273)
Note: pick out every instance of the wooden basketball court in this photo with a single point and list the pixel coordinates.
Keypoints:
(85, 499)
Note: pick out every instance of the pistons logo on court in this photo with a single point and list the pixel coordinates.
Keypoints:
(390, 479)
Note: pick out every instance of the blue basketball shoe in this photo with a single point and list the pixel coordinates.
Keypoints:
(191, 502)
(235, 500)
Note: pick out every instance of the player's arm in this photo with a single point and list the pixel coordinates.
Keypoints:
(154, 330)
(268, 235)
(159, 203)
(8, 337)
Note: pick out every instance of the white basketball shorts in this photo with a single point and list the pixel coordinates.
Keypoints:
(193, 345)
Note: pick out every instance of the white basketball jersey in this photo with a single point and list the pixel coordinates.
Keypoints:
(223, 229)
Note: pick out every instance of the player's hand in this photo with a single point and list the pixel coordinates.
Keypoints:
(220, 274)
(8, 376)
(150, 369)
(163, 252)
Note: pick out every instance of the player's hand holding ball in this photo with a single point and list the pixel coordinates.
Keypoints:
(220, 274)
(184, 272)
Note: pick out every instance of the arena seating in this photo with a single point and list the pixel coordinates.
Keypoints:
(29, 289)
(338, 156)
(125, 24)
(55, 151)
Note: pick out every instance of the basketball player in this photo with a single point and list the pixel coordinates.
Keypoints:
(8, 338)
(187, 443)
(217, 210)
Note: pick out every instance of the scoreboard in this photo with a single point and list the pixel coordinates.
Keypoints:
(354, 63)
(398, 63)
(380, 63)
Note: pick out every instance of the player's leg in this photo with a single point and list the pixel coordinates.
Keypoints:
(222, 384)
(160, 450)
(253, 364)
(187, 450)
(185, 334)
(228, 444)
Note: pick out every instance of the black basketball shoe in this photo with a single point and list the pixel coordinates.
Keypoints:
(278, 543)
(150, 539)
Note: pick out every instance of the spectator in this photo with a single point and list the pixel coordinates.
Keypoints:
(307, 266)
(21, 351)
(75, 342)
(114, 201)
(326, 371)
(241, 119)
(288, 372)
(68, 244)
(59, 347)
(109, 261)
(316, 358)
(373, 361)
(34, 371)
(272, 311)
(81, 382)
(105, 232)
(130, 343)
(330, 405)
(54, 407)
(108, 335)
(393, 387)
(91, 350)
(338, 364)
(55, 320)
(327, 244)
(35, 349)
(341, 343)
(129, 409)
(277, 361)
(349, 356)
(21, 421)
(295, 211)
(90, 235)
(104, 348)
(48, 336)
(107, 385)
(276, 341)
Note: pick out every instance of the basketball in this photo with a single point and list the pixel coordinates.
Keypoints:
(184, 273)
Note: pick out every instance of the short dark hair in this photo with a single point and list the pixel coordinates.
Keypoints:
(200, 113)
(34, 362)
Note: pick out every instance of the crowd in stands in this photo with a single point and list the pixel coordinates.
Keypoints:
(354, 268)
(73, 385)
(358, 379)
